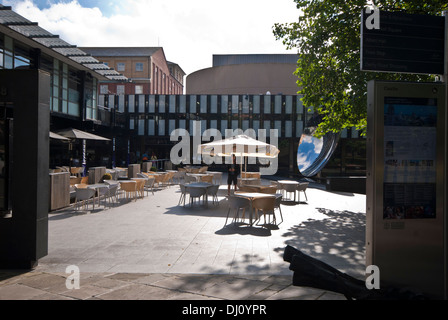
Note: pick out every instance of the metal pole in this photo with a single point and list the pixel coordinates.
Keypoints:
(445, 205)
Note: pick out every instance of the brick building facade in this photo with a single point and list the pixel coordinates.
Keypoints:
(146, 67)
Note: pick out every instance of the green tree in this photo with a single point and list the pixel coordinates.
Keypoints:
(327, 37)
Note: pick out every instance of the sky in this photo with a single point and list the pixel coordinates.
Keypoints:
(190, 31)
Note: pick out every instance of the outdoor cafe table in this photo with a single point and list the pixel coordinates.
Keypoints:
(97, 188)
(282, 183)
(197, 176)
(200, 185)
(251, 181)
(252, 196)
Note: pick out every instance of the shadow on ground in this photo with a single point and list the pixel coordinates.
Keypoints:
(338, 240)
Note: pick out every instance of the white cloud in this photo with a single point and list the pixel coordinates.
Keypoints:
(189, 31)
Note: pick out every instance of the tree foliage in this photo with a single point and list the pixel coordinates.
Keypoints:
(327, 37)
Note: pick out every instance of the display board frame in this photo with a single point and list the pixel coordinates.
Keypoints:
(405, 218)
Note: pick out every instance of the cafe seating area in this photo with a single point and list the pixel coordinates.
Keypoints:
(255, 202)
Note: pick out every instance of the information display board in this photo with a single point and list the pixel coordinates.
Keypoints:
(405, 223)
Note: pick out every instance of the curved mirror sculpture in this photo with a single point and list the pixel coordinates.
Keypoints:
(313, 153)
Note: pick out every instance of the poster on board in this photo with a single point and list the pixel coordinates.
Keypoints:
(410, 150)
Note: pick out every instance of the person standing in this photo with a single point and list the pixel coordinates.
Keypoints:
(233, 172)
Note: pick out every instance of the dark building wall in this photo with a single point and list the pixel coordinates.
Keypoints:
(255, 78)
(24, 233)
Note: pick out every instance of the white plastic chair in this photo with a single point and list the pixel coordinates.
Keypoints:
(237, 203)
(83, 195)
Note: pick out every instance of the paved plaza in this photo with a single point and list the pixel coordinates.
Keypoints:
(154, 248)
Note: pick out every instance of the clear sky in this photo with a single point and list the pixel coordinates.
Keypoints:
(190, 31)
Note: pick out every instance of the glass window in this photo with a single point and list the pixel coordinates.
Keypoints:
(172, 107)
(22, 57)
(223, 126)
(141, 103)
(193, 104)
(235, 104)
(141, 127)
(203, 126)
(131, 103)
(203, 104)
(131, 123)
(224, 104)
(120, 89)
(246, 104)
(121, 103)
(104, 89)
(267, 127)
(9, 62)
(162, 103)
(121, 66)
(235, 124)
(299, 128)
(151, 127)
(139, 66)
(256, 103)
(138, 89)
(278, 104)
(245, 125)
(152, 103)
(171, 126)
(182, 104)
(182, 124)
(267, 104)
(288, 108)
(214, 104)
(161, 127)
(288, 129)
(278, 127)
(299, 104)
(256, 125)
(214, 124)
(111, 101)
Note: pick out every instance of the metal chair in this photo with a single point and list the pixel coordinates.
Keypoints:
(213, 191)
(266, 206)
(195, 193)
(302, 188)
(83, 195)
(113, 189)
(290, 188)
(183, 194)
(278, 201)
(237, 203)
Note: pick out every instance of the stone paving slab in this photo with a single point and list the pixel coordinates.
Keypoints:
(153, 249)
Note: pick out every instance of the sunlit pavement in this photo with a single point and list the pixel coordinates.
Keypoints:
(154, 248)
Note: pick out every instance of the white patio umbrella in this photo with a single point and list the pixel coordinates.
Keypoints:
(58, 137)
(82, 135)
(240, 146)
(79, 134)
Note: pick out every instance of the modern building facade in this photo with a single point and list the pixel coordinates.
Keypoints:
(257, 74)
(45, 84)
(146, 67)
(151, 120)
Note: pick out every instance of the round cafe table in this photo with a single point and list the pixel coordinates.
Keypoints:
(200, 185)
